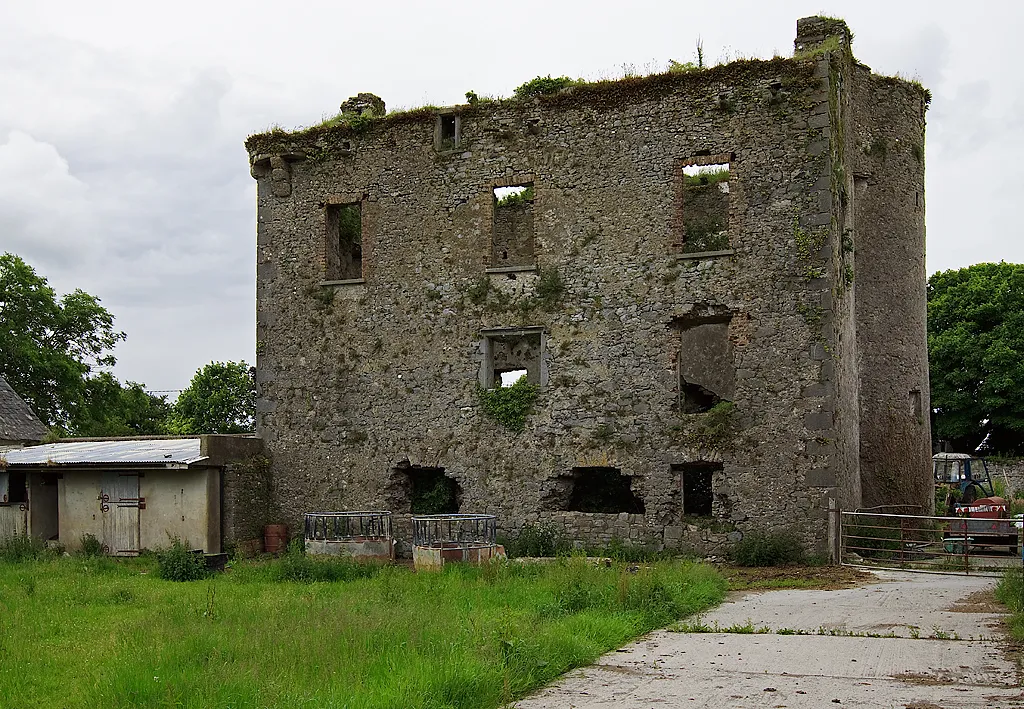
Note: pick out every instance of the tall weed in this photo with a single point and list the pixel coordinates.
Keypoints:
(21, 547)
(768, 549)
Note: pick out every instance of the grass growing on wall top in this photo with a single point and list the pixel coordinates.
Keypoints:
(94, 632)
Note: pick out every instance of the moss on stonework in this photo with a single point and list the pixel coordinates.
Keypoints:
(328, 136)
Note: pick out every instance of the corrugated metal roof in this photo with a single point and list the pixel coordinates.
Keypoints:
(180, 450)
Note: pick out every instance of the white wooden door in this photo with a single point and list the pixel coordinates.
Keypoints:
(120, 509)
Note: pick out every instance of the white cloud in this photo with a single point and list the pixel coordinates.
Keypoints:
(44, 209)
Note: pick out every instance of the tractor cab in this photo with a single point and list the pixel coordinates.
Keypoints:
(967, 474)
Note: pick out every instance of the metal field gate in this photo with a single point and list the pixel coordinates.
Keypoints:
(119, 504)
(925, 543)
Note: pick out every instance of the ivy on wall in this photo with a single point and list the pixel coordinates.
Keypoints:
(510, 406)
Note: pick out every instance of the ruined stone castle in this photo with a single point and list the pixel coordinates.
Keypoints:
(709, 284)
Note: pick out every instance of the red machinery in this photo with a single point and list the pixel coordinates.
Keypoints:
(983, 518)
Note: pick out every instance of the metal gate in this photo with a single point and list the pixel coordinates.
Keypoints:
(119, 503)
(923, 543)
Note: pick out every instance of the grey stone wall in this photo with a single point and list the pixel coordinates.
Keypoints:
(358, 378)
(1010, 474)
(890, 280)
(246, 487)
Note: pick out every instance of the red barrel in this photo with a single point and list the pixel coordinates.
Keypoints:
(275, 538)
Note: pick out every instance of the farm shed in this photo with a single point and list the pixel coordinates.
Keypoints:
(132, 494)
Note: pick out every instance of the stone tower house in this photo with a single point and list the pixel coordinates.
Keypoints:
(713, 279)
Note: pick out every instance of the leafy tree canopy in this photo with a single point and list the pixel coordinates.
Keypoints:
(221, 398)
(976, 356)
(49, 345)
(113, 409)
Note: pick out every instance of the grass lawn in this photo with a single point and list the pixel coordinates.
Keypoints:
(94, 632)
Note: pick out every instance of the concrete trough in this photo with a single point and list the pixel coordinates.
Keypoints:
(442, 539)
(364, 534)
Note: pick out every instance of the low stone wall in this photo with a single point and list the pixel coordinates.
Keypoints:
(1010, 474)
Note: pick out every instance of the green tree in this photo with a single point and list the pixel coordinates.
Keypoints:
(221, 398)
(49, 345)
(112, 409)
(976, 356)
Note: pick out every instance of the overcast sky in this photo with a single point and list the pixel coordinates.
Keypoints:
(122, 170)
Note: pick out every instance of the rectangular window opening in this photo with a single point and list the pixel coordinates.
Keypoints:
(704, 205)
(704, 363)
(916, 404)
(697, 485)
(448, 132)
(512, 239)
(507, 358)
(423, 490)
(16, 491)
(344, 242)
(600, 489)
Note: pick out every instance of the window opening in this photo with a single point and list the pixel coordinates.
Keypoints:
(697, 484)
(510, 377)
(15, 491)
(695, 399)
(513, 226)
(449, 132)
(508, 357)
(704, 196)
(916, 404)
(705, 369)
(344, 242)
(424, 490)
(603, 489)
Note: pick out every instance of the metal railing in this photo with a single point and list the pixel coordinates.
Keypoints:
(348, 526)
(926, 543)
(453, 531)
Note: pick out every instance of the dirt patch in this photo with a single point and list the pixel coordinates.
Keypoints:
(978, 602)
(924, 679)
(922, 705)
(825, 578)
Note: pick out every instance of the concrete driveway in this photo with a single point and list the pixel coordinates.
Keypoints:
(924, 641)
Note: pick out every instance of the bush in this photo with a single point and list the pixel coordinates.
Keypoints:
(295, 565)
(21, 547)
(618, 550)
(511, 405)
(768, 549)
(91, 546)
(178, 563)
(544, 85)
(538, 540)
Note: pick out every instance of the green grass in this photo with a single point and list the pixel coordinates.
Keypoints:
(1010, 592)
(81, 632)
